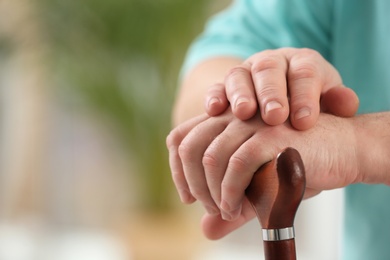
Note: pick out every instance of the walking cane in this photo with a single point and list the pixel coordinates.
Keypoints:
(275, 193)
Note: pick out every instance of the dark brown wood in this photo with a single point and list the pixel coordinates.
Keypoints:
(280, 250)
(275, 193)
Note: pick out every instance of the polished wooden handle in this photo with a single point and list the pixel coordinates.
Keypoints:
(275, 193)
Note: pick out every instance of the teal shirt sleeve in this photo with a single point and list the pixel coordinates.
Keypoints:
(247, 27)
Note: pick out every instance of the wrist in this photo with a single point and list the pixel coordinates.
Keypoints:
(372, 139)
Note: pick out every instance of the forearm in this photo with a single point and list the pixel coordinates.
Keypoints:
(373, 149)
(191, 95)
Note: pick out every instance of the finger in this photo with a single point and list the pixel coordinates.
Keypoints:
(179, 178)
(214, 227)
(173, 141)
(191, 152)
(242, 165)
(268, 71)
(306, 80)
(309, 193)
(216, 100)
(216, 157)
(340, 101)
(240, 92)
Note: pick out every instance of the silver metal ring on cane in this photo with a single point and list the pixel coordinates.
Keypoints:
(278, 234)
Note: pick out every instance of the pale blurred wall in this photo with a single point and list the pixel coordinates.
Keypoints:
(62, 175)
(24, 103)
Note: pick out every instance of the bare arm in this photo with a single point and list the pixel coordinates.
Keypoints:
(372, 133)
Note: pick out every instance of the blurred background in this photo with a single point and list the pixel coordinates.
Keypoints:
(86, 89)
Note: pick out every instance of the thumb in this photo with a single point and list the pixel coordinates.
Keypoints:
(214, 227)
(340, 101)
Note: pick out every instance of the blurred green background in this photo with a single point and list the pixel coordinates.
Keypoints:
(122, 58)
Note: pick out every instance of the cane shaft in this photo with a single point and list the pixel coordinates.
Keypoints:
(280, 250)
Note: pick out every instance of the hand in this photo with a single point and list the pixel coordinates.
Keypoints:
(213, 159)
(287, 82)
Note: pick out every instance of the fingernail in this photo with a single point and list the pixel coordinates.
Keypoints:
(241, 100)
(272, 105)
(303, 112)
(224, 206)
(235, 213)
(226, 216)
(212, 101)
(185, 196)
(211, 210)
(227, 213)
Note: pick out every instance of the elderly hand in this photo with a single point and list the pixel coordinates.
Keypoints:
(213, 160)
(283, 83)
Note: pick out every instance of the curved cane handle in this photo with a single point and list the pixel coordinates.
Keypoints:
(275, 193)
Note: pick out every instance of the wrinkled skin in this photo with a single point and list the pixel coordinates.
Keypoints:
(283, 84)
(213, 160)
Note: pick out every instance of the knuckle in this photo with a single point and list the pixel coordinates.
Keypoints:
(268, 91)
(307, 52)
(238, 163)
(263, 53)
(235, 72)
(305, 64)
(177, 178)
(184, 151)
(210, 160)
(175, 136)
(171, 139)
(216, 88)
(198, 193)
(230, 189)
(299, 100)
(303, 70)
(265, 62)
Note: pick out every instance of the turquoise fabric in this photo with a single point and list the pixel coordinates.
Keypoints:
(354, 35)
